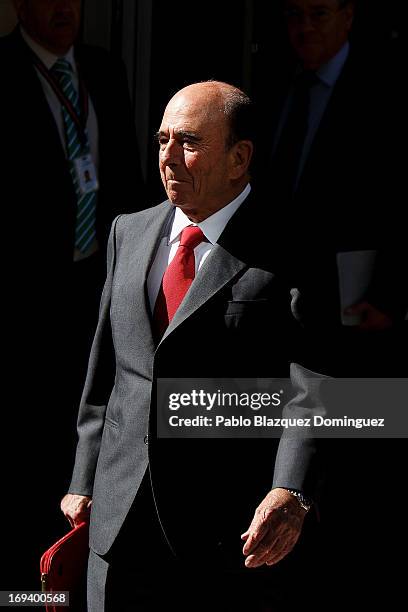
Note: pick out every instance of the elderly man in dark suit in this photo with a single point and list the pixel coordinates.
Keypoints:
(188, 295)
(64, 118)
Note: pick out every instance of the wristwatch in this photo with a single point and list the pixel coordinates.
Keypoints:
(305, 502)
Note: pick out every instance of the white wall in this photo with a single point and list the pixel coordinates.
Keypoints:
(7, 17)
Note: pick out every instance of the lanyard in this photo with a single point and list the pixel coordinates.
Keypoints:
(79, 120)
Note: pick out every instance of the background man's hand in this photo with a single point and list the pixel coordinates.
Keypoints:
(371, 317)
(76, 508)
(274, 530)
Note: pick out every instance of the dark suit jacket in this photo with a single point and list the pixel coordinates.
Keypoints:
(235, 322)
(347, 198)
(38, 209)
(36, 176)
(38, 198)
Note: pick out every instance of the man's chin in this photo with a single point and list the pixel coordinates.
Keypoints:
(177, 198)
(310, 56)
(64, 37)
(179, 203)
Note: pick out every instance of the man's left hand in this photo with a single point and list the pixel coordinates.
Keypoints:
(274, 530)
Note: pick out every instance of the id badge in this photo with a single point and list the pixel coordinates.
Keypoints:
(86, 174)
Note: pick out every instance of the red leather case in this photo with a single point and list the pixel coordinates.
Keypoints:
(63, 568)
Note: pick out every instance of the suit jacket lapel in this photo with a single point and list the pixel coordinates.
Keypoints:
(95, 83)
(39, 110)
(144, 244)
(335, 118)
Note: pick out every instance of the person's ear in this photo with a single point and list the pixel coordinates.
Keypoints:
(349, 11)
(240, 156)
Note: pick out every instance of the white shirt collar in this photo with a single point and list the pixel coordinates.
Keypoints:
(214, 225)
(330, 72)
(47, 58)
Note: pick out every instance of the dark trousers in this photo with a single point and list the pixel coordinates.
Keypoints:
(141, 574)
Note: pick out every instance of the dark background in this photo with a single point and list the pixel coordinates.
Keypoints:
(168, 45)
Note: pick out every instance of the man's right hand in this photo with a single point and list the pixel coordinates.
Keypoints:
(76, 508)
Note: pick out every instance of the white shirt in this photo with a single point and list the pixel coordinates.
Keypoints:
(49, 59)
(212, 228)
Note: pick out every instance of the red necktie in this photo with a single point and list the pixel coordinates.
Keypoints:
(177, 278)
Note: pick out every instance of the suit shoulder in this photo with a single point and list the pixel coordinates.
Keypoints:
(92, 52)
(128, 221)
(103, 72)
(4, 44)
(10, 49)
(7, 41)
(97, 57)
(16, 65)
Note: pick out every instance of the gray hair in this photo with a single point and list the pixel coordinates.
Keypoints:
(238, 109)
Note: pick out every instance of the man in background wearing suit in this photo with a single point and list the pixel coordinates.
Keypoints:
(68, 165)
(188, 295)
(332, 159)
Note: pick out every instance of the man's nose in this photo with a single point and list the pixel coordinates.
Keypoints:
(171, 153)
(307, 23)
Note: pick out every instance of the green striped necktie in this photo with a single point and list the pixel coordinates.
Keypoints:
(76, 146)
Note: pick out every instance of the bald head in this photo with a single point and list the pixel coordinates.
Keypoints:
(204, 159)
(228, 104)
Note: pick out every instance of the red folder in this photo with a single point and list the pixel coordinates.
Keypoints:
(63, 568)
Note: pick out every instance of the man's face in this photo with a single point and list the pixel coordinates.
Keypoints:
(194, 162)
(52, 23)
(317, 29)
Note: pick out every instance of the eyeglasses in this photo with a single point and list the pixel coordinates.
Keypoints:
(318, 17)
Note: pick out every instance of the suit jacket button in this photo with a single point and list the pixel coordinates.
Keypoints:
(146, 440)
